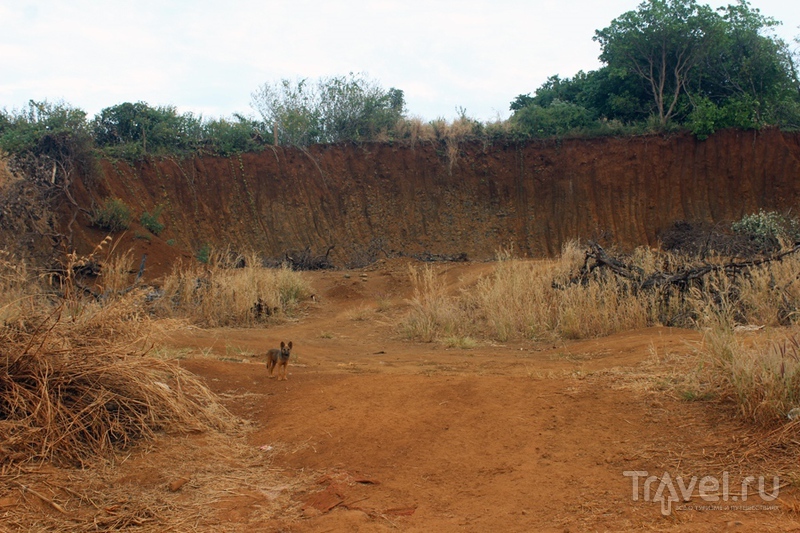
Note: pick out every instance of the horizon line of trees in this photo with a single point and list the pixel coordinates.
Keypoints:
(669, 64)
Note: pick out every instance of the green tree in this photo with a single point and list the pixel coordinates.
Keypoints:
(334, 109)
(663, 42)
(355, 108)
(133, 130)
(606, 93)
(748, 74)
(290, 110)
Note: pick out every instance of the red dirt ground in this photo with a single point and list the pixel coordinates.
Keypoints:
(375, 433)
(514, 437)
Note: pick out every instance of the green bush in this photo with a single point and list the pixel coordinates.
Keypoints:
(768, 228)
(559, 118)
(227, 137)
(114, 215)
(150, 221)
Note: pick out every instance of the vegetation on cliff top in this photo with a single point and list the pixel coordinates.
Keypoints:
(669, 64)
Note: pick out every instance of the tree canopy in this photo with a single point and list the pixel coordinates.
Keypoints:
(681, 62)
(334, 109)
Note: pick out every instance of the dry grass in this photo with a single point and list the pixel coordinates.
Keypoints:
(762, 378)
(519, 299)
(65, 400)
(19, 290)
(215, 295)
(450, 133)
(434, 313)
(75, 380)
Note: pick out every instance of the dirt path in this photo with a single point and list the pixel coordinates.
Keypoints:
(393, 435)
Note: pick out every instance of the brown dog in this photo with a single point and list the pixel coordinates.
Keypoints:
(279, 357)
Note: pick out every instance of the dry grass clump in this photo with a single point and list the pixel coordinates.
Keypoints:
(434, 313)
(75, 380)
(523, 299)
(18, 290)
(518, 300)
(762, 378)
(68, 392)
(214, 295)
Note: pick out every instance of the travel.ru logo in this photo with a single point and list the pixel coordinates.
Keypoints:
(668, 490)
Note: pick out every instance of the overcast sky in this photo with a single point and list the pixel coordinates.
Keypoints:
(208, 56)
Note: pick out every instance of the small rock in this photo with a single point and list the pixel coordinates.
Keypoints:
(176, 485)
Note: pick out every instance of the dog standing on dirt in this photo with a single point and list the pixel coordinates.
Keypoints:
(279, 357)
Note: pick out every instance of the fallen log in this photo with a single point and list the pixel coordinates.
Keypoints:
(598, 258)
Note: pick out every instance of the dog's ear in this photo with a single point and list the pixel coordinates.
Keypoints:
(282, 344)
(290, 345)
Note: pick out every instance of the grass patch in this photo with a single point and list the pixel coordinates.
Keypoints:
(762, 379)
(534, 300)
(76, 380)
(113, 215)
(150, 220)
(217, 295)
(464, 343)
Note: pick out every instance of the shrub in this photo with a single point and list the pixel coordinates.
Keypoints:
(768, 229)
(114, 215)
(150, 221)
(559, 118)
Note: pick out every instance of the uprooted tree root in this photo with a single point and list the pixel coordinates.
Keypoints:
(68, 401)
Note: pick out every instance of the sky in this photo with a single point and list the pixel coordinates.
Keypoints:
(208, 57)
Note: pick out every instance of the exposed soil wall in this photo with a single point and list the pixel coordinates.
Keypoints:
(413, 199)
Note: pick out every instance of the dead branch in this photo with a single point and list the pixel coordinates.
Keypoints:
(597, 257)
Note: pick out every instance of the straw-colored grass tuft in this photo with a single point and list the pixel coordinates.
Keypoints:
(218, 295)
(75, 377)
(65, 399)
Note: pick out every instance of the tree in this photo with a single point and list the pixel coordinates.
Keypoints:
(607, 93)
(133, 130)
(662, 42)
(236, 135)
(747, 66)
(290, 109)
(334, 109)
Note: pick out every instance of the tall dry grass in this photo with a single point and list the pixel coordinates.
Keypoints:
(518, 301)
(761, 378)
(20, 290)
(525, 299)
(75, 378)
(218, 295)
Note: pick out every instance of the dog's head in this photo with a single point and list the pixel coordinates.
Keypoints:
(286, 350)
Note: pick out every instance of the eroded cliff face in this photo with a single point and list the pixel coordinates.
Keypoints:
(413, 199)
